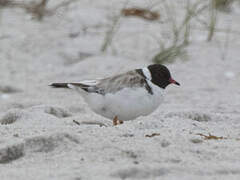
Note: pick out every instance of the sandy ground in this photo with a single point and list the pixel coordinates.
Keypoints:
(38, 138)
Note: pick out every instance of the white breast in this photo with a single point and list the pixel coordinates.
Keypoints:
(128, 103)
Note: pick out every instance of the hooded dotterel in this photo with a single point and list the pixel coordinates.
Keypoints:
(125, 96)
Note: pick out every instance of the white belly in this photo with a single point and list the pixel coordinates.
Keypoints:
(127, 103)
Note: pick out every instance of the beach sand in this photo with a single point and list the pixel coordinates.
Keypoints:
(194, 134)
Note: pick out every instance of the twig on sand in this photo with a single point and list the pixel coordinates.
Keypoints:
(152, 135)
(90, 123)
(210, 136)
(142, 13)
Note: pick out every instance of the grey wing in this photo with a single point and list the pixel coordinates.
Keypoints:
(131, 79)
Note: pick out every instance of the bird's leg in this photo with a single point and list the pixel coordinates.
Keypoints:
(116, 121)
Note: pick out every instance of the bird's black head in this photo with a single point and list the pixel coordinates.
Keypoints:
(161, 75)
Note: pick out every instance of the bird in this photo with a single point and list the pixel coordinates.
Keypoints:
(125, 96)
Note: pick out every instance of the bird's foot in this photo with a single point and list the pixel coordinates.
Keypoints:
(116, 121)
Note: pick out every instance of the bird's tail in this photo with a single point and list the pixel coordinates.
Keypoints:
(76, 86)
(60, 85)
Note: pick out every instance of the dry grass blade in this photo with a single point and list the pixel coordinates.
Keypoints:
(110, 33)
(37, 9)
(180, 33)
(213, 22)
(222, 5)
(5, 3)
(112, 30)
(168, 55)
